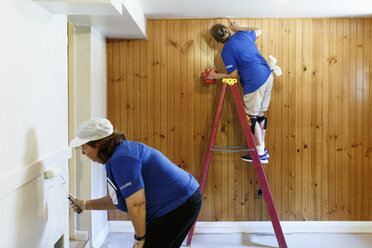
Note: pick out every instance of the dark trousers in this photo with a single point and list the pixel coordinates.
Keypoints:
(170, 230)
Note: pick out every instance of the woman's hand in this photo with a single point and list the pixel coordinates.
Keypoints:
(211, 74)
(76, 204)
(234, 26)
(138, 244)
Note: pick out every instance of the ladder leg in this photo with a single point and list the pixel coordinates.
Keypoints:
(258, 167)
(209, 152)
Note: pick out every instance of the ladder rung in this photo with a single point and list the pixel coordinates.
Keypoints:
(230, 146)
(227, 149)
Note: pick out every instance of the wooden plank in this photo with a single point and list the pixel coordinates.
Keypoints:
(312, 122)
(346, 141)
(183, 96)
(157, 86)
(136, 86)
(177, 91)
(171, 111)
(339, 121)
(198, 85)
(315, 120)
(318, 127)
(122, 65)
(190, 91)
(298, 122)
(305, 117)
(129, 91)
(351, 196)
(325, 121)
(116, 122)
(150, 84)
(366, 126)
(361, 191)
(284, 118)
(143, 91)
(332, 144)
(291, 118)
(162, 85)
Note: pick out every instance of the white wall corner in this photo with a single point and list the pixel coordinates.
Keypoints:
(136, 12)
(98, 241)
(112, 18)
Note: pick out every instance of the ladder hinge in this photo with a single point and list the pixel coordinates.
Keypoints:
(229, 81)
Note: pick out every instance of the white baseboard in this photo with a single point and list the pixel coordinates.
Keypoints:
(101, 236)
(266, 227)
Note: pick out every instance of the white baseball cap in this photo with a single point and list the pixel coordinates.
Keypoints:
(92, 129)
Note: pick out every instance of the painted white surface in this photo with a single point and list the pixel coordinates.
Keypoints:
(98, 109)
(112, 18)
(82, 7)
(130, 25)
(90, 101)
(255, 9)
(34, 125)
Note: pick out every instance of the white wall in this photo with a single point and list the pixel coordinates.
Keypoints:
(90, 101)
(34, 125)
(98, 109)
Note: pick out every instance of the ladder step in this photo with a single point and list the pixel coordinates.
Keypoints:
(230, 149)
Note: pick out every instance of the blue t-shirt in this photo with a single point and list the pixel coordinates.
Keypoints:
(240, 52)
(134, 166)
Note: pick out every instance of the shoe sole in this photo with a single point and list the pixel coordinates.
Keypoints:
(250, 160)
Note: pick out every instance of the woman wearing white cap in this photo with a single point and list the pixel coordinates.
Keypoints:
(162, 199)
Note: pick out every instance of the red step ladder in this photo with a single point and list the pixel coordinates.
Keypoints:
(253, 150)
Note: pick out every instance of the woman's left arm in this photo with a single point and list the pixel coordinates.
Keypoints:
(236, 27)
(136, 204)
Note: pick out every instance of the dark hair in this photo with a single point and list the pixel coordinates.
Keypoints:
(220, 33)
(107, 145)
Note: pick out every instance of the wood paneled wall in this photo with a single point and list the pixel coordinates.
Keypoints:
(320, 119)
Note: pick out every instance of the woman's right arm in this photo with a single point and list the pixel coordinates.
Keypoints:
(104, 203)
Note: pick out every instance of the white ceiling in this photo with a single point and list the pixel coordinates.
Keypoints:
(127, 18)
(254, 8)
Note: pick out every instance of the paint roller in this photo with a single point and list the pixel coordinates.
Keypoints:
(55, 172)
